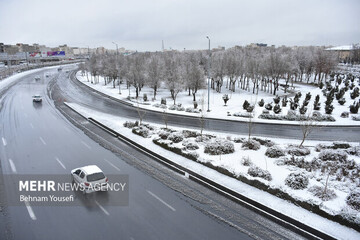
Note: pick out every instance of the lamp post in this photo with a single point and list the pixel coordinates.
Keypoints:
(117, 59)
(209, 76)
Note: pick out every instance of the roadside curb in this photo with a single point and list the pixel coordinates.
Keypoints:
(196, 117)
(274, 215)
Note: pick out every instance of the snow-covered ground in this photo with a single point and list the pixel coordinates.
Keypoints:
(217, 107)
(234, 162)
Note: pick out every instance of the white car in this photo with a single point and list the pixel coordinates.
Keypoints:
(37, 98)
(37, 78)
(90, 178)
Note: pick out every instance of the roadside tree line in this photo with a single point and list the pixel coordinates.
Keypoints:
(239, 68)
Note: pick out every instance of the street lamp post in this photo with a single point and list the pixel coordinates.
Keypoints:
(209, 76)
(117, 59)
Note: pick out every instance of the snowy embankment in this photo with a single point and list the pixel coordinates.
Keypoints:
(279, 168)
(10, 80)
(234, 107)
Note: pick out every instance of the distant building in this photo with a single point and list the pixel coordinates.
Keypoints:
(219, 48)
(254, 45)
(342, 51)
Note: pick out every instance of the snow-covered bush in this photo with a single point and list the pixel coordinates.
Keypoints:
(341, 145)
(291, 114)
(297, 151)
(264, 142)
(192, 110)
(246, 115)
(176, 137)
(190, 145)
(274, 152)
(255, 171)
(355, 150)
(246, 161)
(164, 134)
(177, 107)
(142, 131)
(277, 109)
(296, 161)
(203, 138)
(246, 104)
(250, 109)
(353, 199)
(238, 140)
(356, 118)
(219, 146)
(129, 124)
(189, 134)
(319, 192)
(333, 155)
(251, 144)
(261, 103)
(354, 108)
(297, 180)
(163, 106)
(344, 114)
(269, 106)
(342, 101)
(163, 101)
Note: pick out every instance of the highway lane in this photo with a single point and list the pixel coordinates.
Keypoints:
(74, 91)
(37, 139)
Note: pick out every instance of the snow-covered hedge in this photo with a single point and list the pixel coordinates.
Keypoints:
(297, 180)
(255, 171)
(353, 200)
(251, 144)
(274, 152)
(291, 116)
(219, 146)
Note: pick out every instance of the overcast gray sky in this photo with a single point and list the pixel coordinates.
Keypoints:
(142, 24)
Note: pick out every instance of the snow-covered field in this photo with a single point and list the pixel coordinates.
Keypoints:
(233, 106)
(241, 160)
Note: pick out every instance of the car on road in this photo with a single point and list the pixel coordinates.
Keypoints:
(37, 78)
(37, 98)
(90, 178)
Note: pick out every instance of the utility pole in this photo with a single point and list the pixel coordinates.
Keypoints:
(209, 75)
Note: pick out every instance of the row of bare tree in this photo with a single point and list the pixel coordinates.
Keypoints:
(245, 68)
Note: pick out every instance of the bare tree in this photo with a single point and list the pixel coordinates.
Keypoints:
(155, 72)
(141, 112)
(307, 125)
(165, 117)
(172, 76)
(202, 117)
